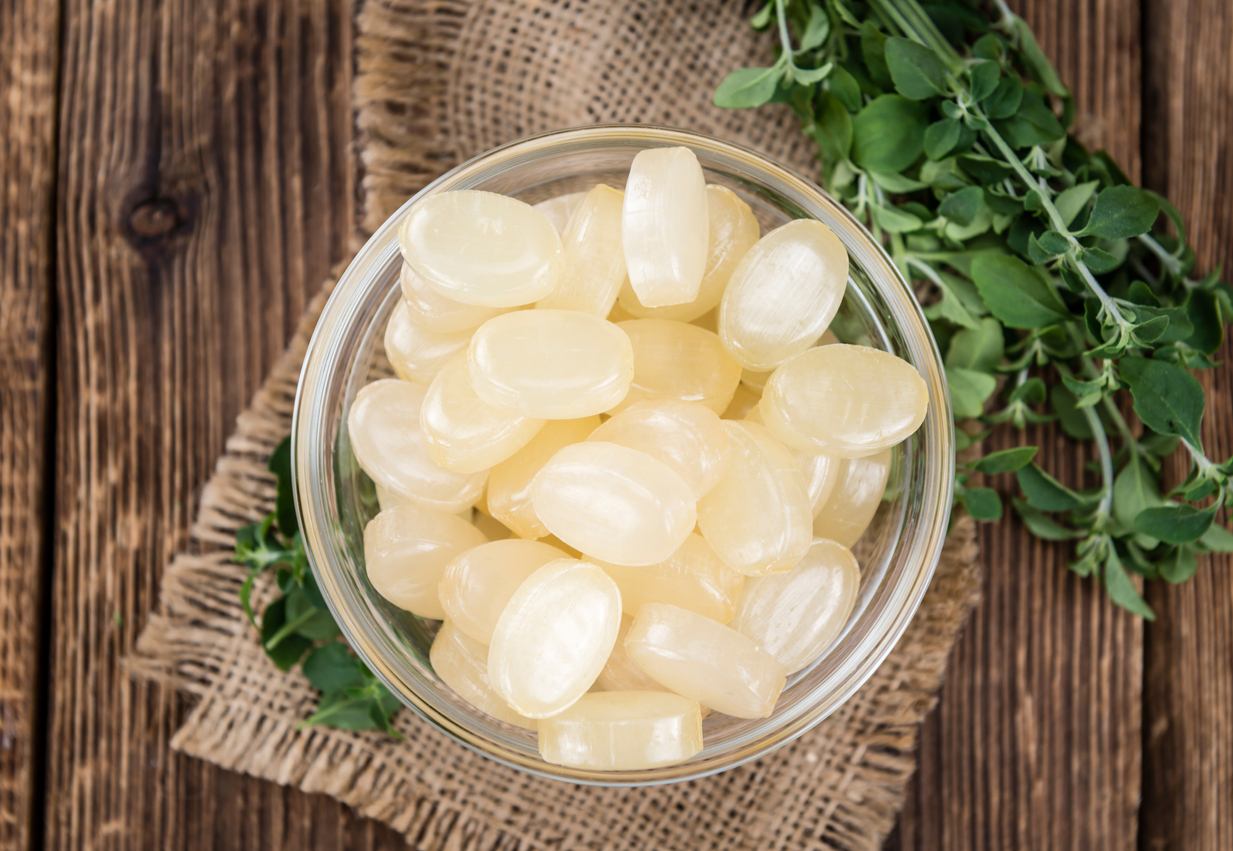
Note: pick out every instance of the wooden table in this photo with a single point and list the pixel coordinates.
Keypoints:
(178, 177)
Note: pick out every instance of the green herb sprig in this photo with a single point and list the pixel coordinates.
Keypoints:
(943, 127)
(297, 627)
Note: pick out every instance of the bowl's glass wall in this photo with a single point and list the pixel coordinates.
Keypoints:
(335, 499)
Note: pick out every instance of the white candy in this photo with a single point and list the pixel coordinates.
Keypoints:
(462, 664)
(665, 226)
(677, 360)
(620, 673)
(593, 263)
(429, 309)
(478, 583)
(623, 731)
(854, 500)
(558, 210)
(418, 353)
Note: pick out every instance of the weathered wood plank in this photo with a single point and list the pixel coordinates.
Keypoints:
(28, 43)
(1036, 740)
(1188, 692)
(206, 187)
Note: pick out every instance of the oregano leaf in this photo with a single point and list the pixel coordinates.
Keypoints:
(748, 87)
(1167, 398)
(917, 71)
(1122, 212)
(1016, 293)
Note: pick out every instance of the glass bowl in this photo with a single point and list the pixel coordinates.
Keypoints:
(335, 499)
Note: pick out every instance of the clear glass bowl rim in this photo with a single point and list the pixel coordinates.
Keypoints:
(312, 458)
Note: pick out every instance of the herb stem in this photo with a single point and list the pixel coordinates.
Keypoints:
(1170, 262)
(289, 628)
(1106, 460)
(785, 37)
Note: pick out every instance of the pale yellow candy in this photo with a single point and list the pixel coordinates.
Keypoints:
(406, 549)
(783, 294)
(686, 436)
(482, 248)
(465, 433)
(554, 541)
(845, 401)
(386, 498)
(384, 427)
(509, 483)
(623, 731)
(418, 353)
(593, 262)
(693, 578)
(493, 529)
(620, 673)
(553, 637)
(757, 380)
(795, 616)
(479, 583)
(705, 661)
(552, 364)
(428, 308)
(733, 231)
(558, 210)
(665, 226)
(744, 402)
(758, 518)
(619, 314)
(676, 360)
(614, 503)
(854, 500)
(462, 664)
(708, 321)
(821, 472)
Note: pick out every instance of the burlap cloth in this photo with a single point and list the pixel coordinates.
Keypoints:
(439, 81)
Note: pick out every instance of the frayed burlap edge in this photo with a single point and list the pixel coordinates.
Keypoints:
(246, 714)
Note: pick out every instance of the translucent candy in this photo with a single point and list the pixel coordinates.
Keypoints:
(558, 210)
(509, 483)
(783, 294)
(821, 473)
(846, 401)
(406, 549)
(465, 433)
(481, 248)
(664, 226)
(553, 637)
(794, 616)
(593, 262)
(418, 353)
(705, 661)
(462, 664)
(757, 380)
(744, 400)
(686, 436)
(552, 364)
(429, 309)
(613, 503)
(693, 578)
(623, 731)
(676, 360)
(854, 500)
(479, 583)
(384, 427)
(758, 518)
(388, 499)
(733, 230)
(620, 673)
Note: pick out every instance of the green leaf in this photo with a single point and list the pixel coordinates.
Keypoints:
(762, 19)
(816, 30)
(1174, 216)
(1098, 260)
(1086, 393)
(963, 205)
(898, 184)
(888, 134)
(1122, 590)
(942, 137)
(748, 87)
(873, 51)
(1042, 69)
(349, 709)
(980, 348)
(1175, 524)
(969, 390)
(894, 220)
(1005, 99)
(1179, 565)
(980, 223)
(985, 169)
(1167, 398)
(1047, 493)
(331, 667)
(834, 127)
(918, 71)
(1053, 242)
(1203, 311)
(811, 76)
(988, 46)
(284, 501)
(1122, 212)
(1070, 202)
(985, 76)
(981, 503)
(1033, 124)
(1134, 490)
(844, 86)
(1006, 461)
(1043, 526)
(1016, 293)
(283, 650)
(1217, 539)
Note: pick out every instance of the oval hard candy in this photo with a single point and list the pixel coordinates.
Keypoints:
(406, 550)
(429, 309)
(482, 248)
(845, 401)
(665, 226)
(593, 259)
(551, 364)
(478, 583)
(678, 361)
(553, 637)
(857, 493)
(783, 294)
(418, 353)
(384, 427)
(614, 503)
(558, 210)
(620, 673)
(462, 664)
(623, 731)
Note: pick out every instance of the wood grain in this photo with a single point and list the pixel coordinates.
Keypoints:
(1035, 741)
(206, 187)
(1188, 700)
(28, 39)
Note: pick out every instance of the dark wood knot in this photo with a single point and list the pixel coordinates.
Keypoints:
(154, 218)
